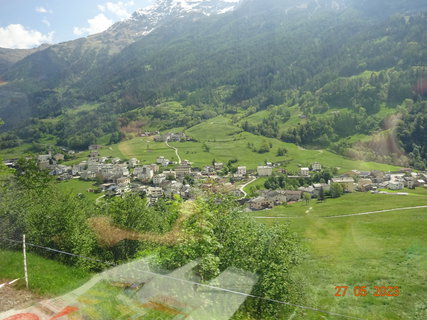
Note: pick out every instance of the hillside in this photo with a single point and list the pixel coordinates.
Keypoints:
(328, 69)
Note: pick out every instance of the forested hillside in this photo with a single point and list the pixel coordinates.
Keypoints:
(343, 66)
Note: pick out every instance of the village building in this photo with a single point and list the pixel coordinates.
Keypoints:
(259, 203)
(182, 171)
(241, 171)
(170, 174)
(88, 175)
(377, 176)
(116, 160)
(59, 157)
(264, 171)
(346, 182)
(365, 185)
(325, 186)
(123, 182)
(310, 189)
(155, 192)
(154, 167)
(144, 173)
(159, 178)
(276, 197)
(172, 188)
(218, 166)
(293, 195)
(207, 170)
(163, 161)
(95, 147)
(396, 185)
(133, 162)
(305, 172)
(316, 166)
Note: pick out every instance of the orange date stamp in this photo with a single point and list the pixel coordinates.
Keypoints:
(362, 291)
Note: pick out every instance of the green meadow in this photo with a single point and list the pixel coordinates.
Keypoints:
(383, 249)
(358, 202)
(76, 186)
(46, 277)
(220, 139)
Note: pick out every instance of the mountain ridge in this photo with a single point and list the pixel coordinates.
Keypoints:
(225, 63)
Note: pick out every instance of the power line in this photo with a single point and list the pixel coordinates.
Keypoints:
(192, 282)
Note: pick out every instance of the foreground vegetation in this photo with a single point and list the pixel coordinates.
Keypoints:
(47, 277)
(214, 231)
(381, 250)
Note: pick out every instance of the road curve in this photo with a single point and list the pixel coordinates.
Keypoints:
(176, 151)
(243, 186)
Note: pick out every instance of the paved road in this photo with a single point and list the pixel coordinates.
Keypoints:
(243, 186)
(351, 215)
(176, 151)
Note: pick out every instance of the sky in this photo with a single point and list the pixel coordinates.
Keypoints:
(29, 23)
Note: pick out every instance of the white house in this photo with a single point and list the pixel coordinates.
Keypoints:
(159, 178)
(264, 171)
(316, 166)
(155, 192)
(305, 172)
(241, 171)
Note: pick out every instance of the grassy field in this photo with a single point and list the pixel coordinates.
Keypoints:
(348, 204)
(76, 186)
(226, 141)
(46, 277)
(386, 249)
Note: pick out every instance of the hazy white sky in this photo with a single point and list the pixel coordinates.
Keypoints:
(29, 23)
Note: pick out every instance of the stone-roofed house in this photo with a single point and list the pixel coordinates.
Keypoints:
(346, 182)
(293, 195)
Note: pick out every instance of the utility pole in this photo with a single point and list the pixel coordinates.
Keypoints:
(25, 260)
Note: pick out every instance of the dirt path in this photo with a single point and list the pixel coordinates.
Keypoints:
(350, 215)
(176, 151)
(10, 297)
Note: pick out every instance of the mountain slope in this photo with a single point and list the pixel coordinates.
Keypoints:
(225, 56)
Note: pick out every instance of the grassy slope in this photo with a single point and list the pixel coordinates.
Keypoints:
(387, 249)
(350, 203)
(78, 186)
(46, 277)
(226, 141)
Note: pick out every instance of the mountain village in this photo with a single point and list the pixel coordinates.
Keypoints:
(166, 179)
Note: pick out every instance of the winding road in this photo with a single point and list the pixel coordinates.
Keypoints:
(176, 150)
(243, 186)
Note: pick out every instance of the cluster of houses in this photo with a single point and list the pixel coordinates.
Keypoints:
(177, 137)
(353, 181)
(166, 178)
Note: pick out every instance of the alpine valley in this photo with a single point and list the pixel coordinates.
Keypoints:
(232, 159)
(313, 73)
